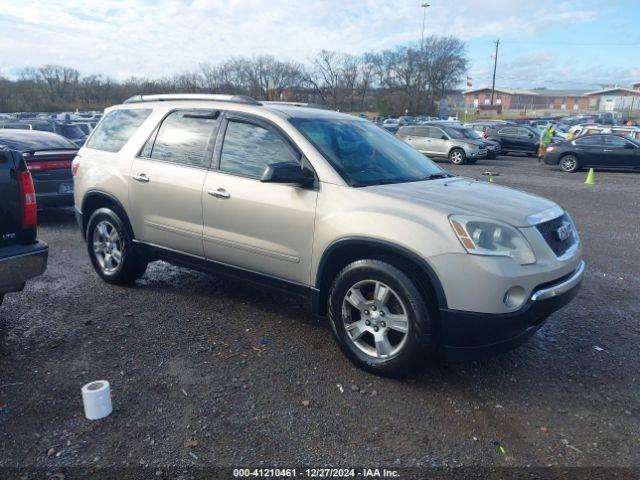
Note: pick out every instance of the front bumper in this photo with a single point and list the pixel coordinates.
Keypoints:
(19, 263)
(468, 335)
(476, 153)
(551, 158)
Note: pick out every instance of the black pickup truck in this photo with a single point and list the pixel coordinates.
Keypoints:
(22, 256)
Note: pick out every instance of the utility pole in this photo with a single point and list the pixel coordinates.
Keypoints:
(495, 64)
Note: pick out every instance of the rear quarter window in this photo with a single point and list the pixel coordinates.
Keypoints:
(116, 129)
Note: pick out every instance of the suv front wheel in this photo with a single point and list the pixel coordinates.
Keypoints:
(457, 156)
(379, 318)
(111, 249)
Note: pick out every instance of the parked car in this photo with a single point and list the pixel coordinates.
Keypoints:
(22, 256)
(483, 127)
(595, 151)
(441, 141)
(48, 157)
(68, 130)
(391, 125)
(372, 233)
(520, 139)
(493, 147)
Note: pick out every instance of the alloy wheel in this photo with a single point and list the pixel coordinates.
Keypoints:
(375, 319)
(107, 246)
(568, 164)
(456, 157)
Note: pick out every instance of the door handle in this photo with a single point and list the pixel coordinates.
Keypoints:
(142, 178)
(219, 193)
(607, 150)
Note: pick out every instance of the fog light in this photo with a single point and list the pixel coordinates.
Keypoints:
(514, 297)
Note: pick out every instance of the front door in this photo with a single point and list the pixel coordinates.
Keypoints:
(166, 179)
(589, 150)
(526, 140)
(262, 227)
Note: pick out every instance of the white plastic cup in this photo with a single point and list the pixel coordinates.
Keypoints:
(96, 397)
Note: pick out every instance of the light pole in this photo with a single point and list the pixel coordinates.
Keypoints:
(424, 7)
(424, 18)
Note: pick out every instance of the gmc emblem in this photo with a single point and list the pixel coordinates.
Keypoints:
(563, 232)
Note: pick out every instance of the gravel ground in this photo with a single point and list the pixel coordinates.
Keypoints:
(206, 371)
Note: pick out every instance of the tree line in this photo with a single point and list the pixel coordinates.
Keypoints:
(394, 81)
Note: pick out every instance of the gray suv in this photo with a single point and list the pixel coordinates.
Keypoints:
(444, 141)
(403, 258)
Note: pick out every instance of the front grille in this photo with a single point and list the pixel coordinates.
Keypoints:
(550, 231)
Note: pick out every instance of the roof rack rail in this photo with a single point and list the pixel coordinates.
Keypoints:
(299, 104)
(193, 96)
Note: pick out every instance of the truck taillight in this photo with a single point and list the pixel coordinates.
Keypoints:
(28, 199)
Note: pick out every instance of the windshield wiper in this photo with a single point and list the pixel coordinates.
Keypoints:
(435, 176)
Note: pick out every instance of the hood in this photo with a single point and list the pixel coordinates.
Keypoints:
(460, 195)
(475, 141)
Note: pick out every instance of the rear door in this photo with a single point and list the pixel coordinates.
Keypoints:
(165, 185)
(262, 227)
(619, 152)
(508, 138)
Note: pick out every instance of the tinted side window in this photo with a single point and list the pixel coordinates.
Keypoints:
(615, 142)
(421, 131)
(184, 138)
(588, 141)
(435, 132)
(507, 131)
(116, 129)
(523, 132)
(247, 149)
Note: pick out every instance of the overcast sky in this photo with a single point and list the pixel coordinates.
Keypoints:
(558, 44)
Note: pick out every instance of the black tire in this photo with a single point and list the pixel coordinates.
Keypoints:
(471, 161)
(457, 156)
(1, 298)
(569, 163)
(419, 340)
(131, 265)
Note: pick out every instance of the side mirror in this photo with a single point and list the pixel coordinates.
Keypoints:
(530, 135)
(290, 173)
(444, 137)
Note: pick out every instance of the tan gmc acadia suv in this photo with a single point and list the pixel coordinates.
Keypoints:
(404, 258)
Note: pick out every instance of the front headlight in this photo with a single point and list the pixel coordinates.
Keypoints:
(485, 236)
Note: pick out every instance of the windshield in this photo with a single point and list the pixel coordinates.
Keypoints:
(365, 154)
(454, 132)
(471, 133)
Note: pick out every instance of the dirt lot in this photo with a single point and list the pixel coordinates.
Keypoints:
(205, 371)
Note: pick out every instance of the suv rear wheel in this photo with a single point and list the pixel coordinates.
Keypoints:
(457, 156)
(379, 318)
(111, 249)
